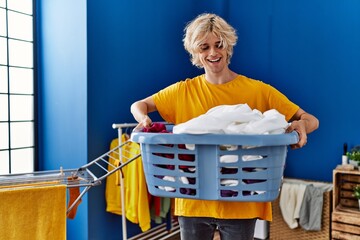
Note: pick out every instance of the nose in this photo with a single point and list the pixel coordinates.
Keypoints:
(212, 51)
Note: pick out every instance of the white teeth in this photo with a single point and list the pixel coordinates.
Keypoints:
(214, 60)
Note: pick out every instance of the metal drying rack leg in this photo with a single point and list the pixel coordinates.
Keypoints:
(78, 199)
(120, 127)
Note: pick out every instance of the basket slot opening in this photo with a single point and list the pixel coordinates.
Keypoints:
(166, 188)
(180, 179)
(247, 158)
(187, 180)
(233, 193)
(186, 157)
(228, 147)
(167, 145)
(253, 169)
(252, 181)
(229, 182)
(252, 193)
(165, 166)
(165, 155)
(187, 169)
(188, 191)
(187, 146)
(232, 158)
(182, 191)
(228, 193)
(229, 170)
(229, 158)
(234, 182)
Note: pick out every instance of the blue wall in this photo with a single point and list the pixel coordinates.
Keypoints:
(132, 52)
(310, 51)
(307, 49)
(62, 69)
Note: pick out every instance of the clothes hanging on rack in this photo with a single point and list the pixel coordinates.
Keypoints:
(74, 193)
(112, 189)
(136, 193)
(159, 213)
(42, 217)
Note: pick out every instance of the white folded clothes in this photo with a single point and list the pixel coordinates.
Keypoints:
(234, 119)
(197, 126)
(235, 113)
(272, 122)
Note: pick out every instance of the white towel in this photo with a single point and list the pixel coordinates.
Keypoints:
(197, 126)
(271, 122)
(239, 113)
(234, 119)
(291, 198)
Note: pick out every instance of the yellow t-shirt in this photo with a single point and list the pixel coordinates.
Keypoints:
(188, 99)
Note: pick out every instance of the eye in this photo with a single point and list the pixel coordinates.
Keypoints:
(204, 47)
(219, 45)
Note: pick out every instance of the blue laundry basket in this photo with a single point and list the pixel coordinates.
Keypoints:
(214, 166)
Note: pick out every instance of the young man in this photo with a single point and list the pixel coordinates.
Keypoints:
(209, 39)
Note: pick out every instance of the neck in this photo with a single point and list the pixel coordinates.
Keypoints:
(220, 78)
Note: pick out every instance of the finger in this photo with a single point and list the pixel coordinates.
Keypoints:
(138, 128)
(289, 129)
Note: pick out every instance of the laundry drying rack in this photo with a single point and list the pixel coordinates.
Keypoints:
(87, 176)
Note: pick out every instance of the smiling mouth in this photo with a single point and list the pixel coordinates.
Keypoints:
(214, 60)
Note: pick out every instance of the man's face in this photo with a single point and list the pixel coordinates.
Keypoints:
(212, 54)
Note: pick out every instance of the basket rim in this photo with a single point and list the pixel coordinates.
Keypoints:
(216, 139)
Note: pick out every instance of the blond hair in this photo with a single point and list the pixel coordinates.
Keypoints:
(197, 31)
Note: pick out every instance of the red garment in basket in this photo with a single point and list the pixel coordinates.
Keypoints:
(160, 128)
(156, 128)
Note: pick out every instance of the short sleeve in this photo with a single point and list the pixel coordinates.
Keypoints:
(165, 101)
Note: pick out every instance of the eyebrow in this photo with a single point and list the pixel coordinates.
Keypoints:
(218, 42)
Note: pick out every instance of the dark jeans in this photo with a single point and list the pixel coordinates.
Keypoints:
(203, 228)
